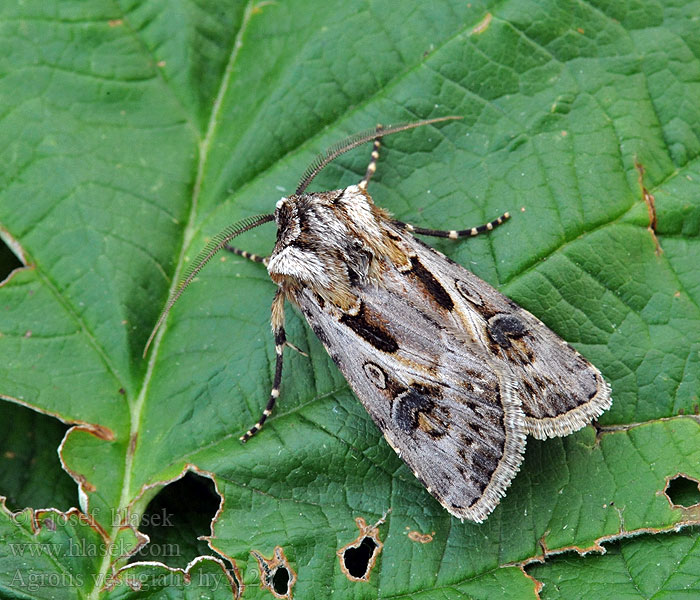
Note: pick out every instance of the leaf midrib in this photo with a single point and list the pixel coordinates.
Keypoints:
(137, 407)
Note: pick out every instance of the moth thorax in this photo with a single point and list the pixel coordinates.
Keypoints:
(321, 245)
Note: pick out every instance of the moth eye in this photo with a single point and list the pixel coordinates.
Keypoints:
(468, 293)
(375, 374)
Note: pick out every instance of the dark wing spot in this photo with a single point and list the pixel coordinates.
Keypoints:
(559, 402)
(280, 581)
(475, 427)
(503, 327)
(484, 462)
(321, 335)
(593, 390)
(480, 485)
(369, 330)
(406, 408)
(431, 285)
(531, 391)
(353, 275)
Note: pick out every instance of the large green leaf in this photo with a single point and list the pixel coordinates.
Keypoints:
(134, 131)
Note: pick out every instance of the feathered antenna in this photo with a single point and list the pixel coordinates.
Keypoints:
(216, 244)
(352, 142)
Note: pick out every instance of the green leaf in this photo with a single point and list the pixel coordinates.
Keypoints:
(132, 132)
(660, 566)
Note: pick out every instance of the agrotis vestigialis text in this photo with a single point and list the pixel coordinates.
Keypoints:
(453, 373)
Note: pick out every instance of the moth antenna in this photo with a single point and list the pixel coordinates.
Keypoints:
(353, 141)
(216, 244)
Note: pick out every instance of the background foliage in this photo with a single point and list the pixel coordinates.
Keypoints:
(133, 131)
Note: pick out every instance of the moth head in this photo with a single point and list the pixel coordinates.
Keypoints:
(287, 219)
(302, 240)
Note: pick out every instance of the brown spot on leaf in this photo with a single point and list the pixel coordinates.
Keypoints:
(651, 207)
(421, 538)
(83, 482)
(358, 557)
(276, 575)
(482, 25)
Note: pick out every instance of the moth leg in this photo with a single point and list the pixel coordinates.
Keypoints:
(249, 255)
(455, 234)
(277, 322)
(374, 157)
(264, 260)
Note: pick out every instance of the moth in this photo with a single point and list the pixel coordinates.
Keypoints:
(453, 373)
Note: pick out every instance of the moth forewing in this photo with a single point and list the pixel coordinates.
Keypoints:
(453, 373)
(559, 389)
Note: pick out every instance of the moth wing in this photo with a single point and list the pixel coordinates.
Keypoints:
(453, 418)
(560, 391)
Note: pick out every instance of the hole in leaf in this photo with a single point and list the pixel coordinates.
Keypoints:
(357, 559)
(30, 470)
(180, 513)
(280, 581)
(8, 261)
(276, 575)
(683, 491)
